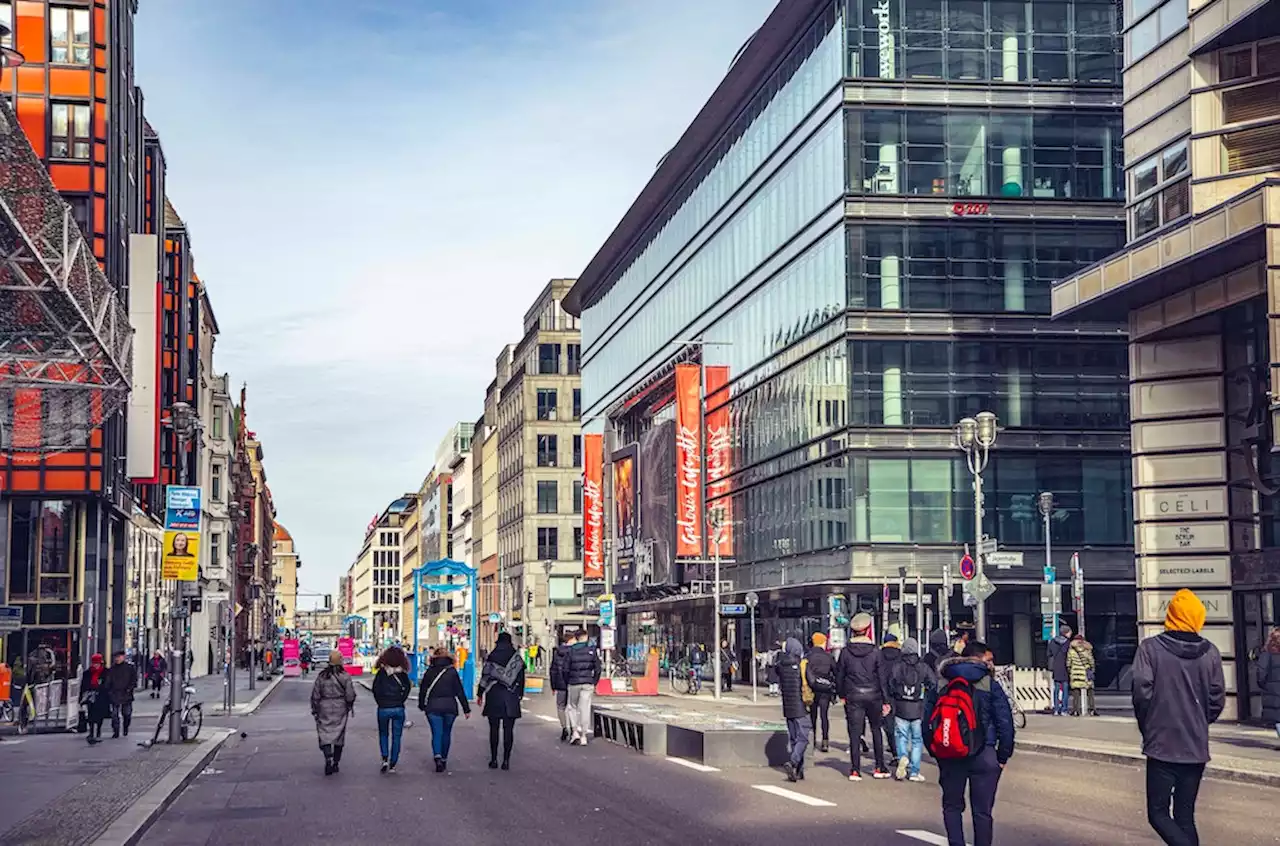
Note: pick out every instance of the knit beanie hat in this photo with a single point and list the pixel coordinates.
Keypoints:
(1186, 613)
(819, 639)
(890, 637)
(911, 646)
(860, 622)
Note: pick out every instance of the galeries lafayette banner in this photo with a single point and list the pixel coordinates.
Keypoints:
(688, 473)
(593, 508)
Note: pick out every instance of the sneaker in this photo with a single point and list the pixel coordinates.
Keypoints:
(564, 735)
(880, 774)
(385, 765)
(825, 747)
(391, 770)
(855, 776)
(493, 765)
(506, 765)
(790, 769)
(902, 769)
(800, 772)
(917, 778)
(439, 765)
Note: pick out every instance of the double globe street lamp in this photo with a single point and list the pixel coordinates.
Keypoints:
(975, 436)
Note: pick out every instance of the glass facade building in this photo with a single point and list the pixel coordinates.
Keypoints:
(860, 231)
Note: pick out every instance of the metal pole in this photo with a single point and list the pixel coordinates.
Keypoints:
(920, 635)
(178, 650)
(716, 662)
(1048, 561)
(980, 610)
(755, 693)
(902, 607)
(884, 607)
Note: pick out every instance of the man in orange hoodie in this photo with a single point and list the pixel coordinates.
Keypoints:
(1178, 691)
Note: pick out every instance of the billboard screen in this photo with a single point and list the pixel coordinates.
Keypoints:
(626, 513)
(657, 495)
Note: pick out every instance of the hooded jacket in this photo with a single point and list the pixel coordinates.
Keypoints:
(440, 690)
(890, 656)
(391, 687)
(559, 659)
(905, 673)
(1178, 691)
(1080, 664)
(995, 714)
(939, 648)
(820, 672)
(789, 681)
(1058, 658)
(858, 676)
(1267, 672)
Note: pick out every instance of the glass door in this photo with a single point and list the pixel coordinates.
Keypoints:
(1255, 618)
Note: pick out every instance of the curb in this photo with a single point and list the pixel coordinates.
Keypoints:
(252, 705)
(129, 827)
(1218, 771)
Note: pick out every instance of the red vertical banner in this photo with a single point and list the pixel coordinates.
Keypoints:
(593, 507)
(719, 453)
(688, 474)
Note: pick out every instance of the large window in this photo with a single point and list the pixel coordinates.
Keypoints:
(69, 131)
(977, 153)
(577, 497)
(577, 403)
(43, 553)
(577, 450)
(546, 403)
(1039, 41)
(573, 358)
(1058, 384)
(68, 35)
(547, 451)
(215, 482)
(979, 268)
(548, 497)
(548, 359)
(1161, 190)
(548, 543)
(1155, 29)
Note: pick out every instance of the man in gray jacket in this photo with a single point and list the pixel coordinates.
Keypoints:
(1178, 691)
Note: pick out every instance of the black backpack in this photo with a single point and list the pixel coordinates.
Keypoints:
(906, 683)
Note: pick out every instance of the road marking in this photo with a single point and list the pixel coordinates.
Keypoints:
(795, 797)
(925, 836)
(694, 765)
(545, 717)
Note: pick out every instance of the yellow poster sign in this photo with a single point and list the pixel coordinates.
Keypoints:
(181, 556)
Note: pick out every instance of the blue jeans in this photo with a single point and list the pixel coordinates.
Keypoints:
(390, 727)
(909, 739)
(797, 740)
(1061, 693)
(441, 734)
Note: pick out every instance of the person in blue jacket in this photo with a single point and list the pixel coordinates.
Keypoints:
(980, 773)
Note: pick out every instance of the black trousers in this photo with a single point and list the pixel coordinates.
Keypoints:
(508, 725)
(856, 716)
(819, 710)
(1175, 785)
(981, 774)
(726, 678)
(121, 714)
(890, 741)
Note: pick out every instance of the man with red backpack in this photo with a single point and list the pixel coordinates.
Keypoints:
(969, 733)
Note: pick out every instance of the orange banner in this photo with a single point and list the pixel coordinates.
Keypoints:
(719, 454)
(593, 508)
(688, 474)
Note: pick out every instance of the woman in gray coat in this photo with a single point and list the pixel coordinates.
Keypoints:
(1268, 678)
(332, 698)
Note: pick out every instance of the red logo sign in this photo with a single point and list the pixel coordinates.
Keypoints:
(969, 209)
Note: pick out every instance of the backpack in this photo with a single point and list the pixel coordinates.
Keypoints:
(904, 690)
(953, 731)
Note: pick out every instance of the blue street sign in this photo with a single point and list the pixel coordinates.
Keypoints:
(1050, 576)
(733, 610)
(966, 567)
(1046, 631)
(10, 618)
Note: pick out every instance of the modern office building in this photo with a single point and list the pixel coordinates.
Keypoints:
(376, 577)
(1199, 281)
(852, 248)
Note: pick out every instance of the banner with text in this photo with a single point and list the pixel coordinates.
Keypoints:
(719, 455)
(181, 553)
(688, 473)
(593, 508)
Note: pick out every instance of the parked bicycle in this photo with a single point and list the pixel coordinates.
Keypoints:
(1019, 715)
(21, 714)
(684, 679)
(192, 716)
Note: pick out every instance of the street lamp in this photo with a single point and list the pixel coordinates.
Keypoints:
(975, 436)
(182, 419)
(715, 522)
(1046, 510)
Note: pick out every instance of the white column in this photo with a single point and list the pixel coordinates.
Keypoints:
(891, 385)
(1015, 286)
(1014, 415)
(887, 173)
(891, 282)
(1009, 65)
(1012, 159)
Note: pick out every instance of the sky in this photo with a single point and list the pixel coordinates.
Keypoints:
(377, 191)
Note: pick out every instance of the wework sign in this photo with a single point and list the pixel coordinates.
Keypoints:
(884, 32)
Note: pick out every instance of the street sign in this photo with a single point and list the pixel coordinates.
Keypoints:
(1050, 600)
(753, 599)
(1050, 575)
(980, 588)
(10, 618)
(1004, 560)
(606, 610)
(732, 610)
(217, 595)
(988, 545)
(1046, 631)
(911, 599)
(967, 568)
(608, 639)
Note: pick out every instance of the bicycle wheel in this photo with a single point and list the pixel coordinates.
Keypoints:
(680, 679)
(24, 716)
(192, 719)
(6, 712)
(1019, 717)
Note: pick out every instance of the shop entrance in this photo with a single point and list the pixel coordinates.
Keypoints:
(1255, 613)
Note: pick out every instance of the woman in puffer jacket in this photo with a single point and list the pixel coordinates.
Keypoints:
(1080, 668)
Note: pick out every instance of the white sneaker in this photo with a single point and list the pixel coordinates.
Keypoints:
(917, 778)
(902, 769)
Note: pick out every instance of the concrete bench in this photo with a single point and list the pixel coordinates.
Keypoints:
(646, 736)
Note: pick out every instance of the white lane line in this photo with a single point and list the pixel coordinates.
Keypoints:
(795, 797)
(546, 718)
(925, 836)
(694, 765)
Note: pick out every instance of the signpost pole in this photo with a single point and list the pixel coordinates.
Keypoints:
(1077, 589)
(752, 600)
(920, 635)
(902, 605)
(884, 607)
(945, 611)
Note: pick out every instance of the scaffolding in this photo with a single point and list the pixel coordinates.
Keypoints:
(65, 338)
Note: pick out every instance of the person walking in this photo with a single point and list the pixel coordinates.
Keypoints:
(820, 675)
(391, 686)
(909, 681)
(582, 672)
(333, 698)
(1178, 691)
(890, 655)
(965, 632)
(1058, 649)
(95, 697)
(560, 683)
(791, 686)
(501, 689)
(439, 694)
(771, 667)
(967, 688)
(1080, 669)
(860, 684)
(1267, 673)
(122, 678)
(157, 668)
(728, 667)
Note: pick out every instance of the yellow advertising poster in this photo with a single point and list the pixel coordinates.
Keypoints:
(181, 556)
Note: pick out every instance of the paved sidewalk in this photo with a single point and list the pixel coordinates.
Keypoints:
(211, 691)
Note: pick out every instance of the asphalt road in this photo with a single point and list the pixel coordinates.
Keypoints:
(270, 787)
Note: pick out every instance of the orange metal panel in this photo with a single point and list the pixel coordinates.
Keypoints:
(31, 115)
(95, 480)
(31, 80)
(64, 480)
(99, 209)
(25, 480)
(70, 177)
(95, 439)
(31, 34)
(99, 121)
(69, 82)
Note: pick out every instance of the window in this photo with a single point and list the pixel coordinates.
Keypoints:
(547, 451)
(68, 35)
(215, 548)
(69, 134)
(548, 497)
(1250, 148)
(1161, 190)
(573, 358)
(548, 543)
(577, 403)
(1154, 30)
(549, 359)
(547, 403)
(577, 497)
(80, 212)
(577, 543)
(215, 482)
(218, 412)
(577, 450)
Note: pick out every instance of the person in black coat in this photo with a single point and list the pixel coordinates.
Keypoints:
(122, 678)
(391, 687)
(861, 686)
(501, 689)
(791, 687)
(95, 697)
(890, 654)
(439, 694)
(820, 674)
(582, 673)
(1267, 671)
(560, 683)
